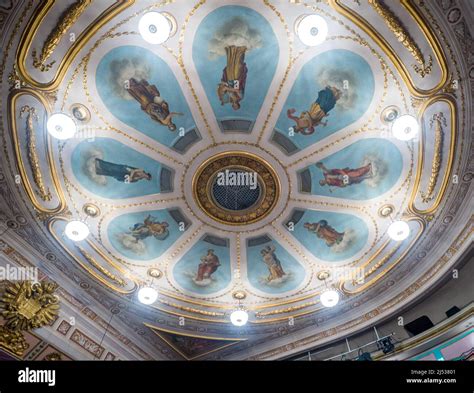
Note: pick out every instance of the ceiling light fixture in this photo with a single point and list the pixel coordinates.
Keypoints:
(61, 126)
(405, 127)
(76, 230)
(312, 29)
(147, 295)
(239, 317)
(329, 297)
(155, 27)
(398, 230)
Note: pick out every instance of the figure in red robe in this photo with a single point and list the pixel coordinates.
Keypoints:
(209, 264)
(344, 177)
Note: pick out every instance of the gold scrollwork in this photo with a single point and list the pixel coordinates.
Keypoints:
(32, 28)
(66, 20)
(100, 268)
(12, 115)
(92, 272)
(439, 121)
(391, 53)
(395, 26)
(28, 306)
(449, 100)
(384, 260)
(43, 192)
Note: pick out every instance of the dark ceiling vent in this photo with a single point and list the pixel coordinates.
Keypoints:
(295, 217)
(186, 141)
(305, 181)
(236, 125)
(257, 241)
(166, 179)
(217, 241)
(419, 325)
(284, 143)
(179, 217)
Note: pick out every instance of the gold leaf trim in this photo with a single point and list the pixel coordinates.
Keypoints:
(100, 268)
(67, 19)
(439, 120)
(32, 116)
(395, 26)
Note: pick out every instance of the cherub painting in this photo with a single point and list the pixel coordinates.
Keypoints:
(326, 232)
(346, 176)
(120, 172)
(150, 227)
(306, 122)
(152, 102)
(231, 88)
(273, 264)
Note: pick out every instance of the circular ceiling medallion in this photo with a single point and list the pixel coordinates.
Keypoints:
(386, 210)
(323, 275)
(155, 273)
(91, 210)
(80, 112)
(236, 188)
(239, 295)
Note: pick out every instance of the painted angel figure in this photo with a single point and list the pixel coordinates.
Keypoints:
(231, 88)
(306, 122)
(209, 264)
(152, 102)
(345, 177)
(325, 231)
(120, 172)
(273, 263)
(150, 227)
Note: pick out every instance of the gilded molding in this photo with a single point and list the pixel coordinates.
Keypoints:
(453, 125)
(433, 40)
(32, 116)
(28, 306)
(396, 27)
(92, 272)
(66, 20)
(439, 121)
(100, 268)
(35, 23)
(25, 180)
(13, 341)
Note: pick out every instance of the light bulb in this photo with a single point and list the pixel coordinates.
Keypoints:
(239, 317)
(398, 230)
(61, 126)
(147, 295)
(329, 298)
(154, 27)
(405, 127)
(312, 29)
(76, 230)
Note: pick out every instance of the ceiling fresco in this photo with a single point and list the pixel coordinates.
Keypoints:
(234, 88)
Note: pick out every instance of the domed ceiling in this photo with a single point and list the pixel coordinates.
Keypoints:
(234, 90)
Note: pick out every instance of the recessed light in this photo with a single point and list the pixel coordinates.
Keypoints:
(329, 298)
(398, 230)
(61, 126)
(154, 27)
(312, 29)
(147, 295)
(76, 230)
(239, 317)
(405, 127)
